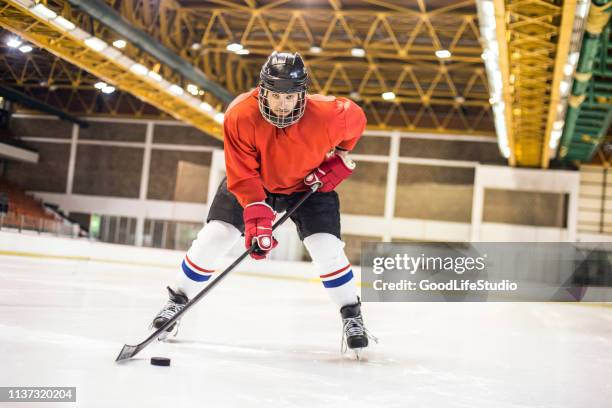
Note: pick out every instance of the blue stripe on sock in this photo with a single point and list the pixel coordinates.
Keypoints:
(192, 275)
(339, 281)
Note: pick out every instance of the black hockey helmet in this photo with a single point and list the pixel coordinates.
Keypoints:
(283, 73)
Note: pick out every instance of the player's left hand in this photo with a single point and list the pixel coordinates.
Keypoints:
(331, 172)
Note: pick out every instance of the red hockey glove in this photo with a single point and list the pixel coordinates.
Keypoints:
(330, 173)
(258, 218)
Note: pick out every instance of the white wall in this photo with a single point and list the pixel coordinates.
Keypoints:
(535, 180)
(384, 227)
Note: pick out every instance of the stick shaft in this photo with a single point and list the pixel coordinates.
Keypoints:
(211, 285)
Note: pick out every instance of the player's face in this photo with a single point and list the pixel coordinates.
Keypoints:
(282, 104)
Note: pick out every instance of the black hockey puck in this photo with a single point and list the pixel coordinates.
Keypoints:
(160, 361)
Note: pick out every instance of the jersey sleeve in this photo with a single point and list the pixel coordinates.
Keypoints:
(242, 162)
(354, 123)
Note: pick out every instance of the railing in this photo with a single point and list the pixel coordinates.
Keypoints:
(19, 222)
(17, 143)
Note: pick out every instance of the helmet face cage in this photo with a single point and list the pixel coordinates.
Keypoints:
(281, 121)
(283, 73)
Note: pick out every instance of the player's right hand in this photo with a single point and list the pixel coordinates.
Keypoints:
(258, 218)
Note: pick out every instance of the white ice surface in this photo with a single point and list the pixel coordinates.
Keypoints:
(256, 342)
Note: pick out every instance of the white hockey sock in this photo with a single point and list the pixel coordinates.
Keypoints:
(214, 240)
(333, 267)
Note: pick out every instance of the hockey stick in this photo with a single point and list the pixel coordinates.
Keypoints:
(128, 351)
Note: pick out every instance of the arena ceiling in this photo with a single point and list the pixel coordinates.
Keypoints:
(413, 65)
(399, 40)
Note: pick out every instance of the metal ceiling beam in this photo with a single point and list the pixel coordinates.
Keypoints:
(25, 100)
(432, 94)
(589, 112)
(108, 16)
(74, 45)
(566, 28)
(400, 46)
(534, 73)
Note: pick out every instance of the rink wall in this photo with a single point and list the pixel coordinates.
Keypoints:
(41, 246)
(52, 247)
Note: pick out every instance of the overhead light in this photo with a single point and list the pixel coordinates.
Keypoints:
(558, 125)
(582, 9)
(459, 99)
(243, 51)
(25, 48)
(196, 46)
(108, 89)
(357, 52)
(79, 34)
(206, 107)
(564, 87)
(234, 47)
(315, 50)
(111, 53)
(191, 100)
(200, 92)
(573, 58)
(488, 8)
(192, 89)
(388, 96)
(100, 85)
(219, 117)
(442, 54)
(95, 44)
(355, 95)
(139, 69)
(43, 12)
(175, 89)
(483, 56)
(13, 42)
(154, 75)
(568, 69)
(26, 3)
(65, 24)
(555, 135)
(119, 44)
(505, 151)
(488, 30)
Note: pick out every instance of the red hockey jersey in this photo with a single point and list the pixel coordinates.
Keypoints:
(259, 156)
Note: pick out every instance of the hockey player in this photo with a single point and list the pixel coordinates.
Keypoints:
(278, 142)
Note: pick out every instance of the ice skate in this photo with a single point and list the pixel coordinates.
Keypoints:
(175, 304)
(354, 334)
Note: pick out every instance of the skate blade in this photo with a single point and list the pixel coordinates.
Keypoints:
(164, 336)
(360, 354)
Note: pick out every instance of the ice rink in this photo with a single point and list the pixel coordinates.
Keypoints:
(256, 342)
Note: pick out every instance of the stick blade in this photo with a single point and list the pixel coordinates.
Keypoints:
(127, 352)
